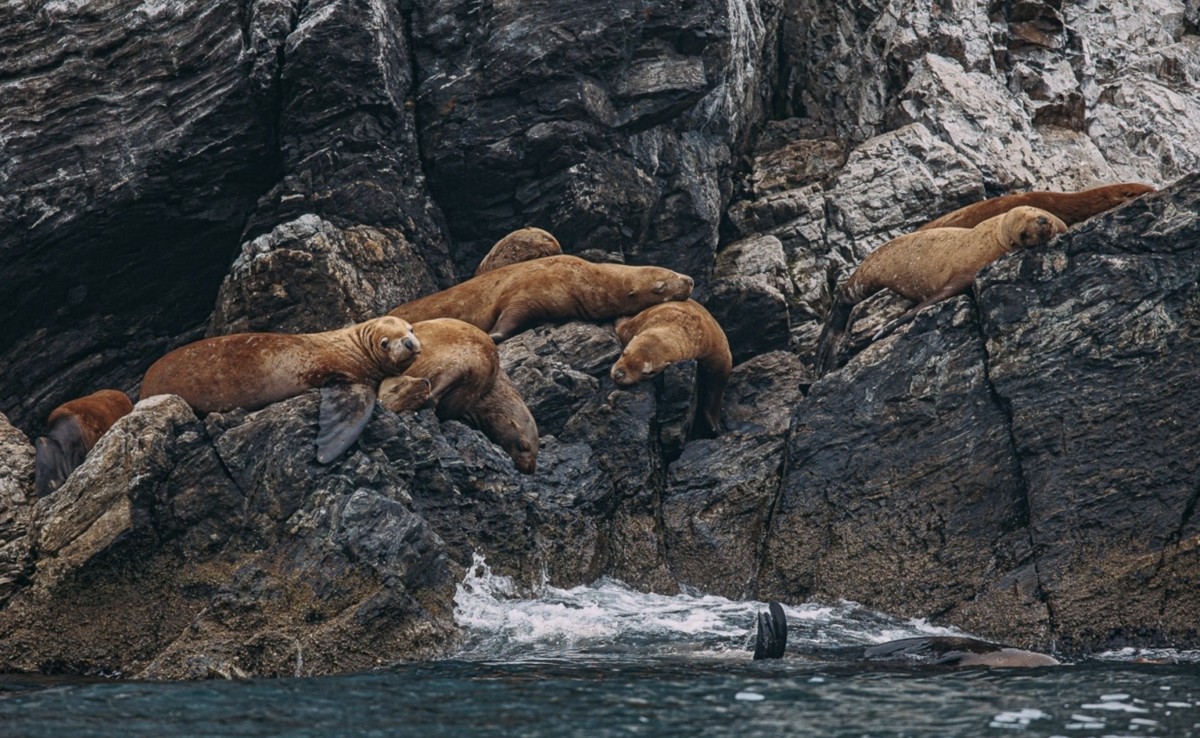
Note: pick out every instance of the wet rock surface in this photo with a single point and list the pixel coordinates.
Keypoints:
(1019, 462)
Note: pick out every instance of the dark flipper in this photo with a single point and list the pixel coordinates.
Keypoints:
(771, 640)
(57, 454)
(836, 326)
(345, 410)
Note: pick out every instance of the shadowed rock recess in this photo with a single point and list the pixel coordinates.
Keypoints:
(1022, 462)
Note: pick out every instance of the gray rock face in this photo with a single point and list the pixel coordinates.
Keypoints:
(1020, 462)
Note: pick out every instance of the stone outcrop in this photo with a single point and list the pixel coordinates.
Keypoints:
(1020, 462)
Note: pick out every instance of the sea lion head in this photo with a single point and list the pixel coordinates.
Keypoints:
(656, 284)
(643, 358)
(405, 393)
(1025, 227)
(391, 342)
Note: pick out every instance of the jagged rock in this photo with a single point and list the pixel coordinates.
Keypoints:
(609, 125)
(308, 275)
(16, 508)
(749, 296)
(1092, 351)
(720, 492)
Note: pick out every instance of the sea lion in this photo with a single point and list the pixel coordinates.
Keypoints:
(458, 363)
(503, 417)
(253, 370)
(930, 266)
(520, 245)
(677, 331)
(1070, 207)
(507, 300)
(74, 428)
(770, 642)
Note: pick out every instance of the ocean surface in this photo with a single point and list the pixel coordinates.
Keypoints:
(605, 660)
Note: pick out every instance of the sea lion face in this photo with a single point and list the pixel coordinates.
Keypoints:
(523, 453)
(655, 285)
(391, 341)
(402, 393)
(638, 361)
(1027, 227)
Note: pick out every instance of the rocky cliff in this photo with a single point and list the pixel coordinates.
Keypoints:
(1020, 462)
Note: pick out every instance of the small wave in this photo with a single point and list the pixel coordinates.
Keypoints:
(610, 618)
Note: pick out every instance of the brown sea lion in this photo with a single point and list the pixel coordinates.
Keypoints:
(504, 418)
(458, 363)
(1070, 207)
(74, 428)
(507, 300)
(520, 245)
(253, 370)
(677, 331)
(930, 266)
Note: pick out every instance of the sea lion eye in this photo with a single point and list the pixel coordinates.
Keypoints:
(383, 342)
(659, 287)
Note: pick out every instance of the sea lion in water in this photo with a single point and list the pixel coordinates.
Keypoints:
(74, 428)
(770, 642)
(507, 300)
(459, 363)
(253, 370)
(930, 266)
(1070, 207)
(677, 331)
(503, 416)
(520, 245)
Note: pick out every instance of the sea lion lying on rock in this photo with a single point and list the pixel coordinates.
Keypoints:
(770, 642)
(671, 332)
(74, 428)
(458, 363)
(1070, 207)
(253, 370)
(507, 300)
(930, 266)
(520, 245)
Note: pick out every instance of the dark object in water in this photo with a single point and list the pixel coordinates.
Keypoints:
(770, 642)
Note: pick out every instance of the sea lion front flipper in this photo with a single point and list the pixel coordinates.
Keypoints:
(345, 410)
(771, 639)
(51, 466)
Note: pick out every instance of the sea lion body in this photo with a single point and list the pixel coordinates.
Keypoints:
(520, 245)
(74, 428)
(930, 266)
(1070, 207)
(503, 417)
(507, 300)
(253, 370)
(671, 332)
(459, 362)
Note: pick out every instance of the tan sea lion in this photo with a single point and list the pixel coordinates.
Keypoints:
(504, 418)
(520, 245)
(930, 266)
(74, 428)
(677, 331)
(253, 370)
(458, 364)
(1070, 207)
(507, 300)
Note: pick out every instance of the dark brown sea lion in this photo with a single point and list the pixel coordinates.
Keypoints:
(458, 364)
(520, 245)
(930, 266)
(507, 300)
(74, 428)
(770, 642)
(504, 418)
(671, 332)
(253, 370)
(1070, 207)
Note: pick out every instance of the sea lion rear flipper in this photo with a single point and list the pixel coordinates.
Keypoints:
(345, 410)
(771, 639)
